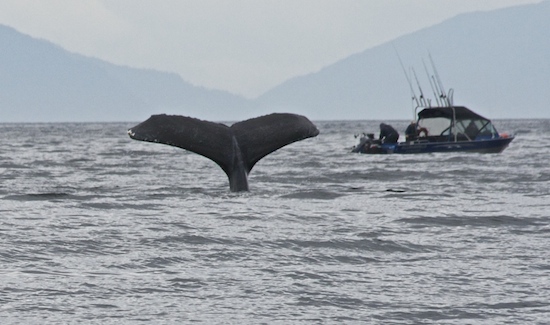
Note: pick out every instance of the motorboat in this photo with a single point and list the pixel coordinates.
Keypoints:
(442, 129)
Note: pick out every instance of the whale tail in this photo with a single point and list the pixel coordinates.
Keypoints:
(236, 148)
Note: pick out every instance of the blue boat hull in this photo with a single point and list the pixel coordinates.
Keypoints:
(481, 146)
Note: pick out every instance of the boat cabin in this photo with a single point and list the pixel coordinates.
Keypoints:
(454, 123)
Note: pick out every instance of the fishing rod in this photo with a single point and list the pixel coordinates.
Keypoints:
(446, 99)
(413, 94)
(438, 97)
(431, 83)
(441, 88)
(422, 98)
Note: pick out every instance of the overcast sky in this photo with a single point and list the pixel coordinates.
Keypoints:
(245, 47)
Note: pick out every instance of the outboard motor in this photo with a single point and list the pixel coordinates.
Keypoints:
(368, 144)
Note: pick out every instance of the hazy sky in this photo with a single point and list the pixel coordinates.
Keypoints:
(245, 46)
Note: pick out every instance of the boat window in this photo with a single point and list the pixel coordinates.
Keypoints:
(471, 128)
(435, 126)
(461, 125)
(488, 130)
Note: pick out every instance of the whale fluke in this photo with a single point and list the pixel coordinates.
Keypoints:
(236, 149)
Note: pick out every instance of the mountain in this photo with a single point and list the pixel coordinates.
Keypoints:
(41, 82)
(497, 62)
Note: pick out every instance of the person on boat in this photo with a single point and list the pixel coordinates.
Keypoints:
(411, 132)
(471, 130)
(388, 134)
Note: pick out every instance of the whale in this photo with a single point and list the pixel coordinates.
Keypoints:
(236, 148)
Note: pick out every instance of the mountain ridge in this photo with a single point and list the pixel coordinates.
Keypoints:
(496, 61)
(504, 56)
(40, 81)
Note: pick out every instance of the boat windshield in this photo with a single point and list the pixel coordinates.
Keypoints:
(466, 129)
(475, 128)
(436, 125)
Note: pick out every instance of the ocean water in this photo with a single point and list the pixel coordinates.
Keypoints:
(96, 228)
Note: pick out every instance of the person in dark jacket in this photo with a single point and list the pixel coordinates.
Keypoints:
(411, 133)
(388, 134)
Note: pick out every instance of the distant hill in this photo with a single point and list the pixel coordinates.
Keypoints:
(41, 82)
(498, 63)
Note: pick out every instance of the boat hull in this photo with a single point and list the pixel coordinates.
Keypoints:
(480, 146)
